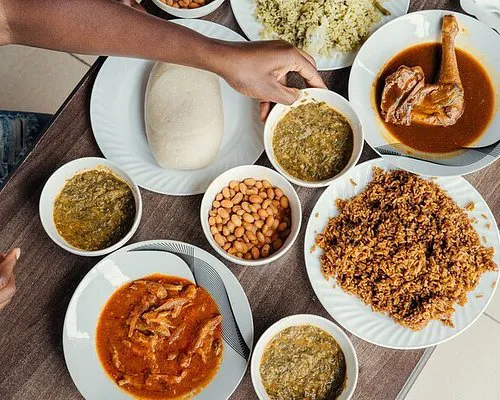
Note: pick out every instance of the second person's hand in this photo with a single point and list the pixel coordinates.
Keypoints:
(7, 280)
(259, 70)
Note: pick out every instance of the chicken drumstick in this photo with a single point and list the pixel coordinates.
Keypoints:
(406, 98)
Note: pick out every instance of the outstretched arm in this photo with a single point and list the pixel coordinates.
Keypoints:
(106, 27)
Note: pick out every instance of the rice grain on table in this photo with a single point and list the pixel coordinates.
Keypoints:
(405, 248)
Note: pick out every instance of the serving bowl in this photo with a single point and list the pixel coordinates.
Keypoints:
(259, 173)
(475, 38)
(306, 319)
(335, 101)
(190, 12)
(55, 184)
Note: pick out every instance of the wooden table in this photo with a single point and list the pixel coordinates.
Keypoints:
(31, 357)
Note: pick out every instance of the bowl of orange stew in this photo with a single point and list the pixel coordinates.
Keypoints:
(140, 326)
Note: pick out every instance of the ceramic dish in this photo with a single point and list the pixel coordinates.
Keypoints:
(245, 10)
(338, 103)
(190, 12)
(117, 118)
(133, 262)
(412, 29)
(55, 184)
(239, 174)
(358, 318)
(487, 11)
(322, 323)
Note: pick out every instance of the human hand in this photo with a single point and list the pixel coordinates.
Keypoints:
(7, 280)
(259, 70)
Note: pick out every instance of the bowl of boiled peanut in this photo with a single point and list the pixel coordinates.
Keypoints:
(251, 215)
(188, 8)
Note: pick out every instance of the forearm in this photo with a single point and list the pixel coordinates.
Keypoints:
(105, 27)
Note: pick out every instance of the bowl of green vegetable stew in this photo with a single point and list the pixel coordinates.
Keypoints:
(90, 207)
(314, 141)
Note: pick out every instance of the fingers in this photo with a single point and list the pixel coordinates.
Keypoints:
(285, 95)
(7, 280)
(7, 266)
(308, 57)
(7, 292)
(307, 70)
(265, 108)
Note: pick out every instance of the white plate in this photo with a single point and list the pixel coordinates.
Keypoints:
(117, 118)
(245, 14)
(111, 273)
(407, 31)
(357, 317)
(487, 11)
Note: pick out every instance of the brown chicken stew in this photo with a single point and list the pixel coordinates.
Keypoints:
(434, 97)
(160, 338)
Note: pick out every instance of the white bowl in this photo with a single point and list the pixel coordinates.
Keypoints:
(305, 319)
(190, 12)
(337, 102)
(259, 173)
(55, 184)
(475, 38)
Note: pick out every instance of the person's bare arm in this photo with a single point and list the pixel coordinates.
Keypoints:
(106, 27)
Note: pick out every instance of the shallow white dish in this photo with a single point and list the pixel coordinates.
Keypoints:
(245, 14)
(190, 12)
(358, 318)
(55, 184)
(306, 319)
(409, 30)
(487, 11)
(338, 103)
(111, 273)
(117, 118)
(259, 173)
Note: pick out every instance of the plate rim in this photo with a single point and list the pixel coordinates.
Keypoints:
(383, 163)
(132, 246)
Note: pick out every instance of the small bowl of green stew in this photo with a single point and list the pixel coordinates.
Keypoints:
(90, 207)
(315, 140)
(304, 357)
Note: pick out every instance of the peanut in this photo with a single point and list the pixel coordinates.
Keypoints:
(239, 231)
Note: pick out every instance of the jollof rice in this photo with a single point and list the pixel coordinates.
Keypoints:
(406, 248)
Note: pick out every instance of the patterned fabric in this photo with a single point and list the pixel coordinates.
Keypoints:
(18, 131)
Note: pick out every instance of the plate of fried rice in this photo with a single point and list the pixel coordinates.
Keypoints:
(331, 31)
(400, 260)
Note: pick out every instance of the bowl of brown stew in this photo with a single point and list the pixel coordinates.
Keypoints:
(315, 140)
(304, 356)
(90, 207)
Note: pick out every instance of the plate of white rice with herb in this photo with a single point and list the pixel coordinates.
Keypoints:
(332, 31)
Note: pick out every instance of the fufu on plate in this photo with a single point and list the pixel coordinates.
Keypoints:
(184, 116)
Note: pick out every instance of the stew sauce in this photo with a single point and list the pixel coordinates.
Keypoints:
(479, 100)
(160, 338)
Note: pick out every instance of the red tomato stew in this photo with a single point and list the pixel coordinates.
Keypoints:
(160, 337)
